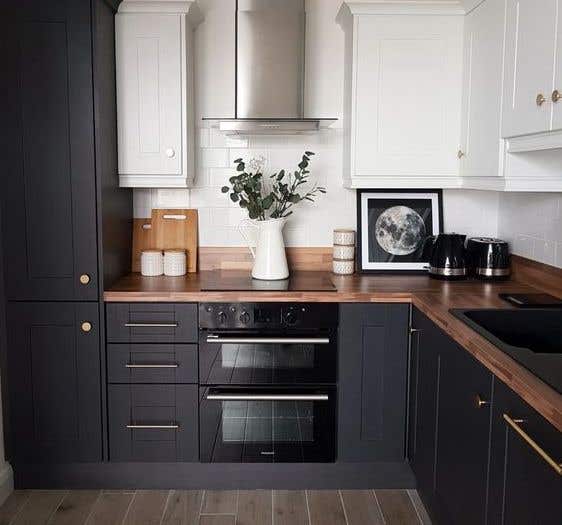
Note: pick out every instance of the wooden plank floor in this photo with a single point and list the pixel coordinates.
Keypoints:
(214, 507)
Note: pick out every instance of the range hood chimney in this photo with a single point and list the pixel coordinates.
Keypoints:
(270, 44)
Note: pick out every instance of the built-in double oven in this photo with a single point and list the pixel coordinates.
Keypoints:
(268, 376)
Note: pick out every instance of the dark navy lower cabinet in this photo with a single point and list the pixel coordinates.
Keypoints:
(373, 349)
(426, 339)
(524, 486)
(471, 462)
(463, 436)
(54, 382)
(153, 423)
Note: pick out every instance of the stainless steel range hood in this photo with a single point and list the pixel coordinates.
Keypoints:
(270, 43)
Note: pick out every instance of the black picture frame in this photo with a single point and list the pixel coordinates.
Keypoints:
(398, 265)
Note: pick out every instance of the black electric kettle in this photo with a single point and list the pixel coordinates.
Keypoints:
(446, 254)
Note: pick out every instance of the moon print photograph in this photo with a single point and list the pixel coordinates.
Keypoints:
(394, 226)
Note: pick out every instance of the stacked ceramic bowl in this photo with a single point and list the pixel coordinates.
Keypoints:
(344, 252)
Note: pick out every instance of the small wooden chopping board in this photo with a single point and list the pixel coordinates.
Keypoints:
(170, 229)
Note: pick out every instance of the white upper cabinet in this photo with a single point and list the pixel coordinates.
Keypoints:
(481, 148)
(403, 94)
(532, 105)
(155, 93)
(529, 63)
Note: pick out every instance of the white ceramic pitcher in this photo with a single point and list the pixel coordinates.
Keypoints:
(270, 261)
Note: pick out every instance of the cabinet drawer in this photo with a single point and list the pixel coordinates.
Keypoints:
(152, 363)
(151, 323)
(153, 423)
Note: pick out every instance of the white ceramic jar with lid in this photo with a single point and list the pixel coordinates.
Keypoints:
(152, 263)
(175, 263)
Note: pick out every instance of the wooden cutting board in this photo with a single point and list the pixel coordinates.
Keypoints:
(169, 229)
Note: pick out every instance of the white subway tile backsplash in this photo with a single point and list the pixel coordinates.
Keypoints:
(532, 223)
(213, 158)
(218, 177)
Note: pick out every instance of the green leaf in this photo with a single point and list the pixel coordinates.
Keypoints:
(234, 197)
(240, 167)
(294, 198)
(225, 189)
(267, 202)
(303, 164)
(309, 153)
(236, 161)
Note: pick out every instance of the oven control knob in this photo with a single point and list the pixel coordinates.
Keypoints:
(244, 317)
(291, 317)
(221, 317)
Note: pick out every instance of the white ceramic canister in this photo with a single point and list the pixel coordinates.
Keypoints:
(346, 253)
(175, 262)
(343, 267)
(344, 237)
(152, 263)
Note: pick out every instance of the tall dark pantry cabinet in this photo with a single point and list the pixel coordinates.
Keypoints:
(65, 225)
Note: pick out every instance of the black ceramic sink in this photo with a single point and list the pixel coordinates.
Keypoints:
(533, 337)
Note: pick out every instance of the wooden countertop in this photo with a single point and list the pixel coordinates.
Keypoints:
(434, 298)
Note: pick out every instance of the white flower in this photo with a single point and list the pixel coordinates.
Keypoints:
(256, 164)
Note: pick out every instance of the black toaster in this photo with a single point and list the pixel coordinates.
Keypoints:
(488, 258)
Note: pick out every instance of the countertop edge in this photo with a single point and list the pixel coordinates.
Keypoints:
(540, 396)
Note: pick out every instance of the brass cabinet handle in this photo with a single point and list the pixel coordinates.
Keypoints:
(460, 154)
(481, 402)
(556, 96)
(514, 424)
(151, 325)
(142, 365)
(540, 100)
(86, 326)
(140, 426)
(84, 279)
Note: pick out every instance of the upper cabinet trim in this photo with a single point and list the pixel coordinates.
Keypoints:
(404, 7)
(166, 6)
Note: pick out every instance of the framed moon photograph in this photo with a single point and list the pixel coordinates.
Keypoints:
(393, 226)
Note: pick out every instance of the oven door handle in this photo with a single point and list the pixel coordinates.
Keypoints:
(266, 397)
(217, 339)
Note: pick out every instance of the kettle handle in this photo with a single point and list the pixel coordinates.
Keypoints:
(241, 224)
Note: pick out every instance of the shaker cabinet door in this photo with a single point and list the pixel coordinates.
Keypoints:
(408, 77)
(463, 433)
(524, 486)
(373, 354)
(529, 56)
(149, 93)
(47, 149)
(54, 382)
(482, 90)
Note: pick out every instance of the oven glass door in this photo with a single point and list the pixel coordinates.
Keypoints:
(252, 358)
(267, 425)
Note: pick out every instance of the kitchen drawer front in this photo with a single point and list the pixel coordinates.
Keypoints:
(151, 322)
(152, 363)
(153, 423)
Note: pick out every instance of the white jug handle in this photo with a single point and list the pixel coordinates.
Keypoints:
(247, 222)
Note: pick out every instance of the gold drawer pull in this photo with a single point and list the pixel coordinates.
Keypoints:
(556, 96)
(142, 365)
(151, 325)
(513, 423)
(172, 426)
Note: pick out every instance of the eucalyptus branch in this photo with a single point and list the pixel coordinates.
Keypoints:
(247, 190)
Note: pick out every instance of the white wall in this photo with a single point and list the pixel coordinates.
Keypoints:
(469, 212)
(532, 223)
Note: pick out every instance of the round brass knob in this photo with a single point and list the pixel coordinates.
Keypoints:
(541, 99)
(84, 279)
(86, 326)
(556, 95)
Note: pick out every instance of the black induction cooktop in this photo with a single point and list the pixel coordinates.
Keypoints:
(218, 281)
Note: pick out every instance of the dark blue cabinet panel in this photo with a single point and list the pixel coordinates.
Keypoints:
(54, 390)
(524, 488)
(373, 347)
(48, 175)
